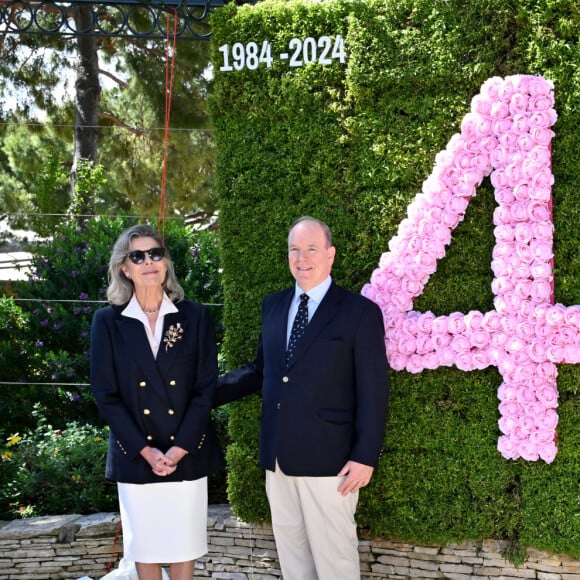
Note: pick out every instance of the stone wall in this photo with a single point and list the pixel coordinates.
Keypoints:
(71, 547)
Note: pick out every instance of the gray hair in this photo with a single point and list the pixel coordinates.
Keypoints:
(307, 218)
(120, 288)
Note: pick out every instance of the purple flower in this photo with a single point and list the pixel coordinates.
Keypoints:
(56, 325)
(83, 295)
(87, 309)
(76, 310)
(39, 343)
(74, 273)
(44, 322)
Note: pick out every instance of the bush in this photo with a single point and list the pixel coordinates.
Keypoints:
(54, 471)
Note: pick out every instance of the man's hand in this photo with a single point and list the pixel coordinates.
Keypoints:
(357, 475)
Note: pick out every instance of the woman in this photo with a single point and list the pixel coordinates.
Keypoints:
(153, 374)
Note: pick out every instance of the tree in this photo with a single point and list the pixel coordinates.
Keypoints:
(130, 117)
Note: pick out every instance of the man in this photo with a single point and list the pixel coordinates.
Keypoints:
(324, 408)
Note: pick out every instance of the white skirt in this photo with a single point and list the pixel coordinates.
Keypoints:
(165, 522)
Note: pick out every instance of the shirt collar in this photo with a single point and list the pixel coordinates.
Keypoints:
(133, 310)
(317, 293)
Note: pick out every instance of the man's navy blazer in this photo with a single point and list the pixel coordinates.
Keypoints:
(329, 404)
(157, 402)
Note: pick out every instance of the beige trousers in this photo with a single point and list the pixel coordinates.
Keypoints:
(314, 527)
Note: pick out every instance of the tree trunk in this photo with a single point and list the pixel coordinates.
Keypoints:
(87, 107)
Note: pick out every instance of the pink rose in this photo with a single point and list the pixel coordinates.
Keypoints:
(555, 315)
(464, 361)
(555, 353)
(508, 448)
(518, 103)
(480, 105)
(539, 86)
(519, 211)
(440, 341)
(543, 231)
(487, 144)
(456, 323)
(542, 119)
(523, 252)
(540, 290)
(504, 232)
(508, 139)
(507, 425)
(525, 395)
(407, 344)
(541, 136)
(521, 192)
(541, 437)
(499, 110)
(541, 251)
(526, 142)
(504, 196)
(540, 155)
(481, 359)
(501, 215)
(540, 269)
(492, 321)
(460, 343)
(538, 212)
(548, 396)
(507, 392)
(490, 88)
(572, 316)
(510, 409)
(425, 322)
(501, 285)
(548, 420)
(500, 127)
(522, 288)
(542, 177)
(523, 232)
(522, 271)
(528, 451)
(415, 364)
(547, 371)
(397, 361)
(540, 103)
(424, 344)
(520, 123)
(412, 287)
(525, 329)
(548, 452)
(447, 356)
(431, 360)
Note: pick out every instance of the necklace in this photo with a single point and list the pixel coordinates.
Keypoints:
(147, 310)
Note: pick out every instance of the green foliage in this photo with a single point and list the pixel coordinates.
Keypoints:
(351, 144)
(52, 471)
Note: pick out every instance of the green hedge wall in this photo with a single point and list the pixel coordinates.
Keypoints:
(351, 144)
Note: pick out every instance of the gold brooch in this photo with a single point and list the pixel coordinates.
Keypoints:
(172, 335)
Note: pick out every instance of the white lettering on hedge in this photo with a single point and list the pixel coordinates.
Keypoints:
(323, 51)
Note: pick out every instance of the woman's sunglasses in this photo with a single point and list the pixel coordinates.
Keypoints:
(138, 256)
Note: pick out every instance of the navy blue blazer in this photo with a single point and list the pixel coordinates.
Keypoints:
(157, 402)
(330, 404)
